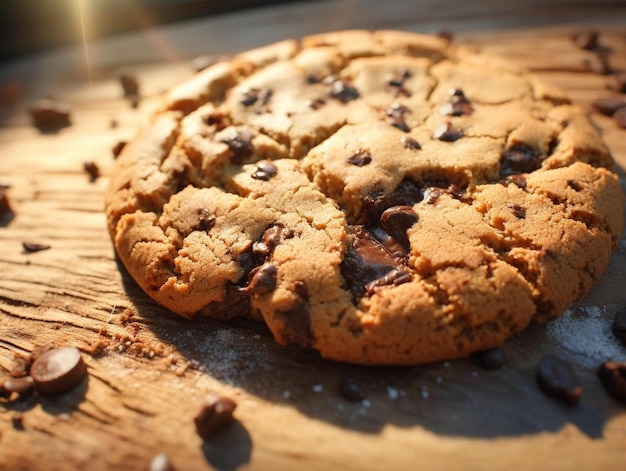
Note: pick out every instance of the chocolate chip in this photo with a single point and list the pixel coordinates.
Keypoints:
(92, 169)
(270, 238)
(396, 221)
(619, 325)
(394, 277)
(459, 105)
(17, 420)
(406, 193)
(557, 379)
(518, 211)
(397, 83)
(396, 116)
(608, 106)
(33, 247)
(265, 170)
(317, 103)
(574, 185)
(410, 143)
(343, 91)
(620, 117)
(311, 79)
(447, 133)
(240, 145)
(519, 158)
(161, 462)
(22, 386)
(216, 412)
(491, 359)
(130, 85)
(432, 194)
(297, 319)
(517, 180)
(117, 148)
(612, 375)
(58, 370)
(360, 158)
(206, 220)
(50, 115)
(262, 279)
(351, 391)
(586, 39)
(256, 96)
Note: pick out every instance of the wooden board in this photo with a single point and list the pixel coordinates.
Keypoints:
(148, 369)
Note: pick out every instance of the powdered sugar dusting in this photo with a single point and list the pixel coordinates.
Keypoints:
(585, 335)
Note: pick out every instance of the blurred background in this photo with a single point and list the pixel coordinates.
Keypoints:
(28, 26)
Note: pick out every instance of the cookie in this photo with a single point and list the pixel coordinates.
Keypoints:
(381, 197)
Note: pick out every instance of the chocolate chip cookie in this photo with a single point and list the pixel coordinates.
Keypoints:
(381, 197)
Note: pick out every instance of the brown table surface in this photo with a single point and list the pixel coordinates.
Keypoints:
(149, 369)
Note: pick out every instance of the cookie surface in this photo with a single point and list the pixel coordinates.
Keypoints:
(381, 197)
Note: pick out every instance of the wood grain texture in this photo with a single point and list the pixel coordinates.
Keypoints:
(148, 369)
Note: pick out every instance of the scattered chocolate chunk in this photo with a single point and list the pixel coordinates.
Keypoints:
(518, 211)
(519, 158)
(491, 359)
(396, 84)
(343, 91)
(240, 146)
(22, 386)
(619, 325)
(265, 170)
(608, 106)
(517, 180)
(432, 194)
(588, 40)
(118, 148)
(50, 115)
(58, 370)
(17, 420)
(458, 105)
(612, 375)
(360, 158)
(206, 220)
(410, 143)
(396, 116)
(447, 133)
(216, 412)
(557, 379)
(620, 117)
(396, 221)
(393, 278)
(161, 462)
(262, 279)
(92, 169)
(351, 391)
(130, 85)
(34, 247)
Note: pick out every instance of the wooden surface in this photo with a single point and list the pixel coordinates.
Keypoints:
(148, 369)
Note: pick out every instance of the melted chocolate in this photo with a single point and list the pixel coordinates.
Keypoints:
(518, 159)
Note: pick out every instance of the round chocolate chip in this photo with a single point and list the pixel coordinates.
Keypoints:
(58, 371)
(264, 170)
(216, 412)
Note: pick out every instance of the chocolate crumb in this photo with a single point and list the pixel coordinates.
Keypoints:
(92, 169)
(351, 391)
(317, 103)
(206, 220)
(31, 247)
(50, 115)
(343, 91)
(215, 414)
(557, 379)
(396, 116)
(117, 148)
(518, 211)
(265, 170)
(410, 143)
(458, 105)
(17, 420)
(619, 326)
(612, 375)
